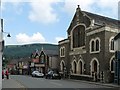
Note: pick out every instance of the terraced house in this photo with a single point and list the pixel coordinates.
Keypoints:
(88, 50)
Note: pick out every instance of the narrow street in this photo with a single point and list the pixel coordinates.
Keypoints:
(32, 82)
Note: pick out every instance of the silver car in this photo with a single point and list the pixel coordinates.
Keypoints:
(37, 74)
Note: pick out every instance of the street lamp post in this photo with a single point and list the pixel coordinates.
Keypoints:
(1, 48)
(1, 43)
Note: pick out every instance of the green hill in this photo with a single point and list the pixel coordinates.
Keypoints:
(21, 51)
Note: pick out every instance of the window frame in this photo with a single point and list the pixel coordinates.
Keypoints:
(111, 42)
(94, 47)
(62, 51)
(73, 46)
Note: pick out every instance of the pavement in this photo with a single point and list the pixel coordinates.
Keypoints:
(11, 84)
(98, 83)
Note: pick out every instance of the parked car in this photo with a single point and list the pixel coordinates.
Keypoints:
(53, 75)
(37, 74)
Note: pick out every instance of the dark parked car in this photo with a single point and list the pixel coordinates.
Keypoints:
(53, 75)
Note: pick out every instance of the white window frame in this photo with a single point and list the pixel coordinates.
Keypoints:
(110, 63)
(74, 66)
(112, 38)
(62, 68)
(71, 33)
(62, 51)
(90, 44)
(83, 63)
(97, 38)
(99, 44)
(91, 67)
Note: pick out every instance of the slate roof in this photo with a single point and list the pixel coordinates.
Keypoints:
(51, 52)
(99, 20)
(103, 20)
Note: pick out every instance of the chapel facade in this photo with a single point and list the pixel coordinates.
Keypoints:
(88, 50)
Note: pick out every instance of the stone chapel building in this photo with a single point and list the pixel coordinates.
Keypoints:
(88, 49)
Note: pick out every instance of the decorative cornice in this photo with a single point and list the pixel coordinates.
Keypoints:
(77, 52)
(62, 42)
(103, 29)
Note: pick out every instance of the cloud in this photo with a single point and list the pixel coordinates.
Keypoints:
(70, 5)
(57, 39)
(43, 11)
(108, 7)
(12, 0)
(25, 39)
(29, 0)
(103, 7)
(16, 4)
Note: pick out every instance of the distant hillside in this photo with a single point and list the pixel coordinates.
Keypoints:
(21, 51)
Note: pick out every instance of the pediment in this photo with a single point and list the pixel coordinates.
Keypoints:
(79, 18)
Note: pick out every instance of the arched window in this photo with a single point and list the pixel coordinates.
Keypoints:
(75, 38)
(92, 46)
(62, 65)
(79, 36)
(74, 67)
(112, 64)
(62, 51)
(111, 44)
(82, 36)
(80, 67)
(94, 65)
(97, 45)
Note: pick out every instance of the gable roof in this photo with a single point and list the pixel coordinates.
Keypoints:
(98, 19)
(50, 52)
(103, 20)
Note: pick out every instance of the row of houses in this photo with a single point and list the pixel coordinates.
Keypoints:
(87, 53)
(42, 61)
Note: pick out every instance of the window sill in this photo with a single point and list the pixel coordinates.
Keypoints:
(112, 71)
(94, 52)
(62, 56)
(112, 51)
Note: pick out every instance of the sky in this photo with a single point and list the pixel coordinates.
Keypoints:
(47, 21)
